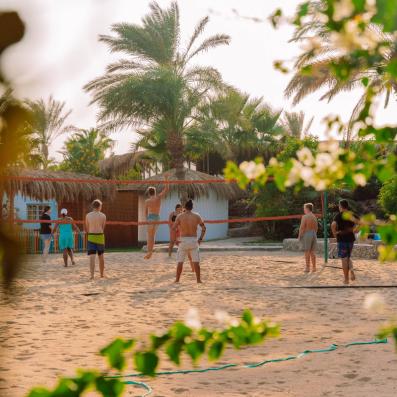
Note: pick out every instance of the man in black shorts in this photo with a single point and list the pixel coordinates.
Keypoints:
(343, 229)
(95, 222)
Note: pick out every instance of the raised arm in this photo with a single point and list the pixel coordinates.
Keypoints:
(165, 190)
(54, 230)
(203, 230)
(75, 227)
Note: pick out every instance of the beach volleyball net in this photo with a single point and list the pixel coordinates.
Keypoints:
(123, 203)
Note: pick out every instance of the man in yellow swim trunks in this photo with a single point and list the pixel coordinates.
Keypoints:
(95, 222)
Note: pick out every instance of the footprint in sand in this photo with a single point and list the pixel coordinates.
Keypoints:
(350, 376)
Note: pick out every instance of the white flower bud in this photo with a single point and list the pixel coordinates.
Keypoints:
(252, 170)
(360, 179)
(305, 156)
(192, 318)
(374, 303)
(222, 317)
(343, 9)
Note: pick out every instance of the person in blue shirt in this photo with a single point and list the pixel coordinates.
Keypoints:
(66, 238)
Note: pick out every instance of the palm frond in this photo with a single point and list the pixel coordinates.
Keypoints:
(198, 30)
(303, 84)
(126, 65)
(211, 42)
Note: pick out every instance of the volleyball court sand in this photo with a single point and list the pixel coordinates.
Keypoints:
(53, 325)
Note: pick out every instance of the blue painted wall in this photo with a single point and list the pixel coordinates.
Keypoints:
(20, 205)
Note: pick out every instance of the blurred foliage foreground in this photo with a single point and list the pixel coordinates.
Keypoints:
(13, 119)
(347, 25)
(187, 337)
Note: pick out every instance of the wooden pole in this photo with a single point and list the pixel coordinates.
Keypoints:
(325, 225)
(11, 214)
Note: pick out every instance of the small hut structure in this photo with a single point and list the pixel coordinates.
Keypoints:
(211, 200)
(68, 189)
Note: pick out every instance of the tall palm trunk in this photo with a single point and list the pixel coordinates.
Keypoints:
(176, 149)
(45, 154)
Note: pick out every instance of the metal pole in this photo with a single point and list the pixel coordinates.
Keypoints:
(325, 227)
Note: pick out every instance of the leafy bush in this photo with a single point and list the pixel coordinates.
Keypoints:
(388, 196)
(271, 202)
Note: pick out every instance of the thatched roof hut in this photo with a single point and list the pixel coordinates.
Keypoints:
(47, 187)
(119, 164)
(222, 190)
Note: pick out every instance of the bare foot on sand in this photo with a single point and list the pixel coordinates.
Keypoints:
(148, 256)
(352, 275)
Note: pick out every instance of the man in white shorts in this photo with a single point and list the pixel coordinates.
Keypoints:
(188, 222)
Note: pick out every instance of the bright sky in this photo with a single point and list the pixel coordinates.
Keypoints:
(61, 52)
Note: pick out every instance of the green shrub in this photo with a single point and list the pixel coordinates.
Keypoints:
(388, 196)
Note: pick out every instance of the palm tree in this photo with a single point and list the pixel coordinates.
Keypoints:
(294, 124)
(48, 123)
(234, 126)
(83, 151)
(314, 69)
(156, 85)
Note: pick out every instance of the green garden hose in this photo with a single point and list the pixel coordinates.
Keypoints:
(331, 348)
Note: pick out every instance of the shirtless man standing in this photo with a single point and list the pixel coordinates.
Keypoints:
(152, 213)
(95, 222)
(188, 222)
(308, 236)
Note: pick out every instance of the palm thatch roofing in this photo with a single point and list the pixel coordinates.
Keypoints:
(51, 188)
(119, 164)
(225, 191)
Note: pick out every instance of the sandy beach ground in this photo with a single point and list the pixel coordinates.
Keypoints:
(53, 325)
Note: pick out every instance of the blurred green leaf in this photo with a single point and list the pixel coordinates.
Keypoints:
(195, 349)
(386, 15)
(158, 341)
(115, 352)
(109, 387)
(174, 350)
(180, 331)
(215, 350)
(146, 362)
(247, 317)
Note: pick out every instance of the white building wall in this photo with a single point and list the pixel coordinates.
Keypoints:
(208, 207)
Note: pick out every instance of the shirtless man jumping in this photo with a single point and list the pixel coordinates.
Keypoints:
(188, 222)
(152, 212)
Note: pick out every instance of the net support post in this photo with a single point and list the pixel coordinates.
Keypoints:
(325, 226)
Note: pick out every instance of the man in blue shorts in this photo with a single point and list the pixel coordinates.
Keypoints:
(343, 228)
(152, 213)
